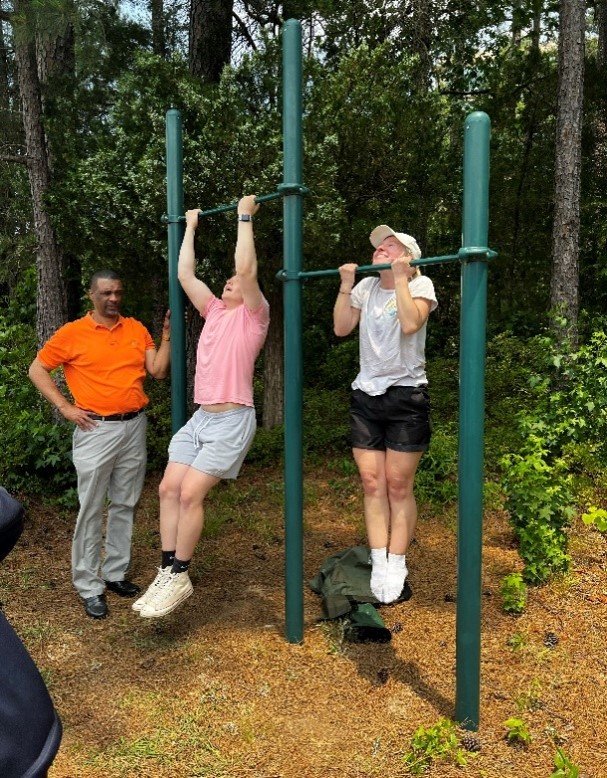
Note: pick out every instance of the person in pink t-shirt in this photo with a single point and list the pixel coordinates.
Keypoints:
(214, 442)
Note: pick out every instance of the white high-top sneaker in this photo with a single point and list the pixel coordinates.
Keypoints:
(171, 591)
(147, 595)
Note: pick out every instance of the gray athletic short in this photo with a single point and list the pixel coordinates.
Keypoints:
(215, 443)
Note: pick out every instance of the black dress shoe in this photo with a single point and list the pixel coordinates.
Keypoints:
(123, 588)
(96, 607)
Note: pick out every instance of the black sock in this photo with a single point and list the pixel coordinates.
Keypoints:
(168, 557)
(180, 566)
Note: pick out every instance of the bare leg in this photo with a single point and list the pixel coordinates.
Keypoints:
(371, 466)
(182, 493)
(169, 493)
(400, 475)
(194, 488)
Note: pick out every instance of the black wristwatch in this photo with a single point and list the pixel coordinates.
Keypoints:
(245, 217)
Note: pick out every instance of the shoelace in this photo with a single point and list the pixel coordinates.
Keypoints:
(163, 582)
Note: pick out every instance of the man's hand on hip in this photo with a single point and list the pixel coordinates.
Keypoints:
(79, 417)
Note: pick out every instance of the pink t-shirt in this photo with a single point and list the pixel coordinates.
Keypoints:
(229, 344)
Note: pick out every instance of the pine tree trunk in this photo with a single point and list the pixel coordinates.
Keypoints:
(55, 54)
(601, 23)
(422, 41)
(529, 122)
(5, 94)
(515, 27)
(273, 366)
(51, 297)
(56, 62)
(568, 163)
(210, 38)
(158, 36)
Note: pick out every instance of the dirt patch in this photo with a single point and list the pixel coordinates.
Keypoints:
(215, 690)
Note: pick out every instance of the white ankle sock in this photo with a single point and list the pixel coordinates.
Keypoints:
(395, 577)
(379, 562)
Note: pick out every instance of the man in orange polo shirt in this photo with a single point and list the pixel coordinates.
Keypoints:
(104, 357)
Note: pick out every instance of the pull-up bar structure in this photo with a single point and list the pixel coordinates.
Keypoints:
(473, 257)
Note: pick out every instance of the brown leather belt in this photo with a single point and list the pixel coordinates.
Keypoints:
(115, 416)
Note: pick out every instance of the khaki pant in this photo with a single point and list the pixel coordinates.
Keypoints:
(110, 462)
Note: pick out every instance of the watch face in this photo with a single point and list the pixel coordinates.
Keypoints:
(244, 217)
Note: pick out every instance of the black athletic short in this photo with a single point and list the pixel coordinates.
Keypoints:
(398, 420)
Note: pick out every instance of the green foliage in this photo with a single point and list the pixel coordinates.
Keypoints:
(325, 420)
(596, 517)
(267, 446)
(159, 422)
(563, 766)
(562, 435)
(436, 478)
(438, 742)
(36, 448)
(518, 641)
(531, 698)
(539, 500)
(510, 367)
(325, 427)
(514, 593)
(340, 365)
(517, 732)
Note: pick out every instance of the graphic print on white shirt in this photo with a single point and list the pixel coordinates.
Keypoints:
(388, 357)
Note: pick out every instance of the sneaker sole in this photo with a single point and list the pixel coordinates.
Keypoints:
(136, 606)
(168, 609)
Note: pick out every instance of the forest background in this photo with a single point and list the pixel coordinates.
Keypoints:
(84, 88)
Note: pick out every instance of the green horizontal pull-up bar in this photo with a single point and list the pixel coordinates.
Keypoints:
(469, 251)
(282, 191)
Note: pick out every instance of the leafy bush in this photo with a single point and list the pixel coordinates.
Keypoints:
(596, 517)
(517, 732)
(267, 446)
(436, 479)
(563, 766)
(159, 422)
(36, 448)
(539, 500)
(341, 365)
(514, 593)
(562, 433)
(325, 427)
(430, 744)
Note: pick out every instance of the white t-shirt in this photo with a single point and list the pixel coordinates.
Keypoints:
(388, 357)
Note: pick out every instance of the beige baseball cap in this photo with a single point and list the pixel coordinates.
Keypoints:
(380, 233)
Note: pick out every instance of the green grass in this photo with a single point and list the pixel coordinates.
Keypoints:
(164, 745)
(248, 505)
(37, 632)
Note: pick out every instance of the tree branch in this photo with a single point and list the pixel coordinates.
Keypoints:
(244, 30)
(21, 160)
(466, 93)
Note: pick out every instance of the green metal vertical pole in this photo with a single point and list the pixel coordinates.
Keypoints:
(174, 151)
(292, 174)
(471, 420)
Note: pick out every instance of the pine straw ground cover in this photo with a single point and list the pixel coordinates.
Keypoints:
(215, 690)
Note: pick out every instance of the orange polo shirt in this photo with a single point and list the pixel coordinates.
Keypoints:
(104, 368)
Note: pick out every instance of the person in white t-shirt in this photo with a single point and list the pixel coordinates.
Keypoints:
(389, 406)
